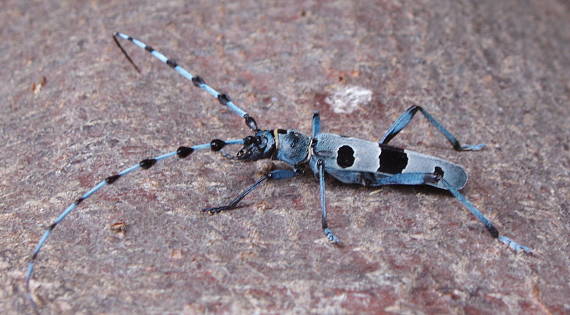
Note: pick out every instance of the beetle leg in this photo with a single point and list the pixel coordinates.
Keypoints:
(407, 116)
(490, 227)
(273, 175)
(316, 124)
(328, 233)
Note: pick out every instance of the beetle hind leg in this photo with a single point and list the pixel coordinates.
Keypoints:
(407, 116)
(437, 176)
(488, 224)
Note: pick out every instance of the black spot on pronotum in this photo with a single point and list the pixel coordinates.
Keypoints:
(79, 200)
(183, 152)
(293, 139)
(345, 156)
(148, 48)
(52, 226)
(148, 163)
(392, 160)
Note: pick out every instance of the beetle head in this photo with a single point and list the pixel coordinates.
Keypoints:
(259, 146)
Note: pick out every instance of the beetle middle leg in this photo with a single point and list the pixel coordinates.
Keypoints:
(328, 233)
(407, 116)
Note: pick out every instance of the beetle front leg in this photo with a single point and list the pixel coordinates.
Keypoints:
(273, 175)
(315, 124)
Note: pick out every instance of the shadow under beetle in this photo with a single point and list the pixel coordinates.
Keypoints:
(349, 160)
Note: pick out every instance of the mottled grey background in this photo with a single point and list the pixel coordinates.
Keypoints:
(494, 72)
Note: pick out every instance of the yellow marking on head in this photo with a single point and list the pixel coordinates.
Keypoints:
(276, 136)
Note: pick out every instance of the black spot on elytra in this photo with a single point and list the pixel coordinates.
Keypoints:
(438, 172)
(345, 156)
(392, 160)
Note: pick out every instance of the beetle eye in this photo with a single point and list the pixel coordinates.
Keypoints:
(257, 140)
(248, 140)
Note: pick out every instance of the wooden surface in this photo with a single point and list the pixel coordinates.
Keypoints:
(494, 72)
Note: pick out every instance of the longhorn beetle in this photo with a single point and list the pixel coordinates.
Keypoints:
(349, 160)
